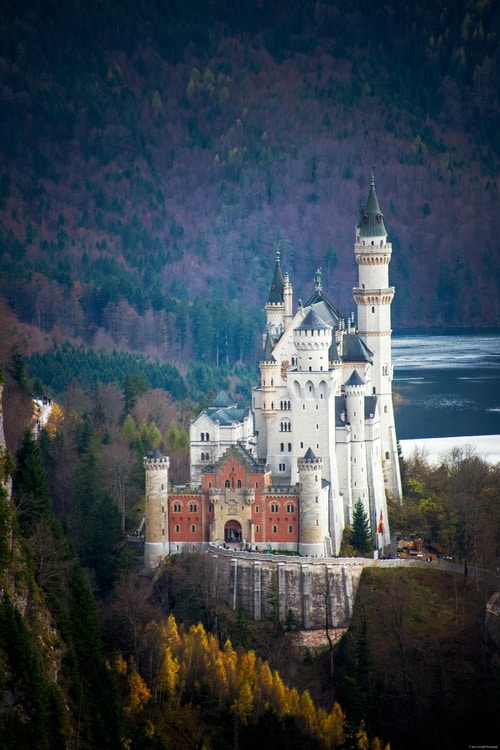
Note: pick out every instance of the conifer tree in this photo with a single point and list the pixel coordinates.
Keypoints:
(361, 538)
(30, 488)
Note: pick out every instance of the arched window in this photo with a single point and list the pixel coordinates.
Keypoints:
(238, 484)
(227, 484)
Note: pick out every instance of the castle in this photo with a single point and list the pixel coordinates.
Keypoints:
(319, 436)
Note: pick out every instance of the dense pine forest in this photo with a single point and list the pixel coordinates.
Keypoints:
(153, 158)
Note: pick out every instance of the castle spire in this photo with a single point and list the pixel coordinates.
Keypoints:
(318, 280)
(276, 295)
(372, 218)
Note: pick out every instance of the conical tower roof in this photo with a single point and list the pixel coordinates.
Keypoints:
(313, 322)
(267, 354)
(276, 295)
(355, 379)
(371, 223)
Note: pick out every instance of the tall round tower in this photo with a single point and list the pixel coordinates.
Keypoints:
(156, 534)
(373, 297)
(313, 520)
(355, 414)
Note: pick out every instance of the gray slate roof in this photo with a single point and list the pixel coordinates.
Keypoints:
(371, 221)
(313, 322)
(267, 354)
(276, 294)
(327, 312)
(355, 350)
(222, 400)
(355, 379)
(229, 416)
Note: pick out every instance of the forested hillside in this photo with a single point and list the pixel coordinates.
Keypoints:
(154, 156)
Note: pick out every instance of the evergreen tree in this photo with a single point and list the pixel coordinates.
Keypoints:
(18, 368)
(30, 488)
(361, 538)
(133, 387)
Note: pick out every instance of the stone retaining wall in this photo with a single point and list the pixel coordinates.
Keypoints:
(314, 589)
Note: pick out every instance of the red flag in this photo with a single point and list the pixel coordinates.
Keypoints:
(380, 525)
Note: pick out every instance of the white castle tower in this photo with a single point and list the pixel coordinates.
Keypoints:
(373, 297)
(355, 414)
(313, 507)
(156, 532)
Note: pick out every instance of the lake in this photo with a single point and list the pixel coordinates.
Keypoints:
(447, 387)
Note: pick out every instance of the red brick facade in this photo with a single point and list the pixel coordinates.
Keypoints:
(236, 504)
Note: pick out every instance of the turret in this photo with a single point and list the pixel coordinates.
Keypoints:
(156, 545)
(312, 339)
(313, 521)
(355, 414)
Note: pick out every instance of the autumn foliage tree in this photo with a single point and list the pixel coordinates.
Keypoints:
(231, 686)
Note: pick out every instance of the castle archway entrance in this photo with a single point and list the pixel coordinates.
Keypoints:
(232, 532)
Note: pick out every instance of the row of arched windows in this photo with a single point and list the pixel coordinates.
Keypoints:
(227, 484)
(177, 508)
(204, 437)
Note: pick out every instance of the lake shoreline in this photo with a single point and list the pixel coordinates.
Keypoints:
(434, 449)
